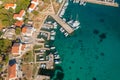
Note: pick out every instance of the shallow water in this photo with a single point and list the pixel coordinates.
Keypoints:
(91, 52)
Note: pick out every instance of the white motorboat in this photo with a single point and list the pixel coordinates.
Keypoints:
(64, 19)
(84, 4)
(56, 52)
(52, 38)
(66, 4)
(56, 56)
(70, 22)
(57, 61)
(49, 22)
(66, 34)
(62, 30)
(76, 23)
(52, 48)
(53, 33)
(76, 28)
(43, 65)
(55, 25)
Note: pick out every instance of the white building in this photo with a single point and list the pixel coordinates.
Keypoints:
(33, 5)
(27, 31)
(20, 15)
(8, 6)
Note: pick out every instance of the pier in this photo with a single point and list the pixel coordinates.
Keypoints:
(61, 7)
(102, 2)
(62, 23)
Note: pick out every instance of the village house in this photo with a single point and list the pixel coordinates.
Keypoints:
(12, 70)
(27, 31)
(18, 49)
(20, 15)
(33, 5)
(19, 23)
(8, 6)
(34, 2)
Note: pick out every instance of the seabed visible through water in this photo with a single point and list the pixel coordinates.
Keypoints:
(93, 51)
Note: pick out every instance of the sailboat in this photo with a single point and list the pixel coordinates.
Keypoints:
(76, 23)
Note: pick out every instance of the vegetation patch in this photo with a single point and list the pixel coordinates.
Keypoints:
(5, 45)
(18, 30)
(28, 57)
(37, 46)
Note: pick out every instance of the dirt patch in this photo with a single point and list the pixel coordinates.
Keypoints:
(27, 71)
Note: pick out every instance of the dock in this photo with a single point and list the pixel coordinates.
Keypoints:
(62, 23)
(101, 2)
(61, 7)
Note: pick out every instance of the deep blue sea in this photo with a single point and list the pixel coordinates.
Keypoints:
(93, 51)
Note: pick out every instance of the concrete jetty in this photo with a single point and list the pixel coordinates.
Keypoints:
(61, 7)
(102, 2)
(62, 23)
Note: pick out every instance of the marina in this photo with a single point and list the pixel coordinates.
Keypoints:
(52, 45)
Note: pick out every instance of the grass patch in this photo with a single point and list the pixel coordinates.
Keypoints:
(37, 46)
(28, 57)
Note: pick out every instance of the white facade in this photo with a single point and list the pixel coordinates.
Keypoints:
(31, 9)
(13, 7)
(20, 17)
(36, 3)
(29, 31)
(19, 51)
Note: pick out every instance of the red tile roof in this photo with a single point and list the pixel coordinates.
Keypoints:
(7, 6)
(19, 23)
(32, 6)
(24, 29)
(12, 71)
(21, 14)
(15, 48)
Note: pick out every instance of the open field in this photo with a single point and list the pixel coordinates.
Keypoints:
(27, 71)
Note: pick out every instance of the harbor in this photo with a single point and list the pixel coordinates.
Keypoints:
(43, 50)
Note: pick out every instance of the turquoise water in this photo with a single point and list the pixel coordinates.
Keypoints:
(93, 51)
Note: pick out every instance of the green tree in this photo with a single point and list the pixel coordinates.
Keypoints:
(6, 59)
(4, 45)
(35, 12)
(22, 4)
(6, 17)
(5, 22)
(1, 33)
(18, 30)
